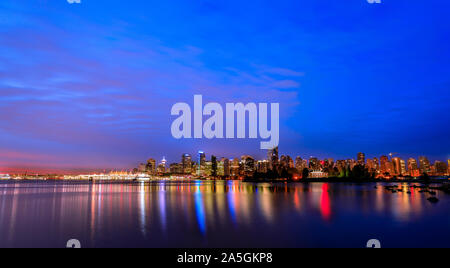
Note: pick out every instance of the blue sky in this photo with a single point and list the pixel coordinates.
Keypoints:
(91, 85)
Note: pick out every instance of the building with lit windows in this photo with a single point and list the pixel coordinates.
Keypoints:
(425, 166)
(361, 159)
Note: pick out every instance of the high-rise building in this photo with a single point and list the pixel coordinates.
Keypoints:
(226, 167)
(151, 166)
(413, 168)
(290, 162)
(176, 168)
(425, 166)
(396, 162)
(361, 159)
(371, 167)
(403, 167)
(201, 163)
(299, 164)
(314, 164)
(441, 168)
(272, 156)
(284, 161)
(248, 163)
(386, 166)
(186, 162)
(162, 167)
(262, 166)
(235, 167)
(376, 165)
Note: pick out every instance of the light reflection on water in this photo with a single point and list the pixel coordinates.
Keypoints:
(218, 214)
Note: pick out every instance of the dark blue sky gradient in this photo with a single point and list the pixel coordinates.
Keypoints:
(91, 85)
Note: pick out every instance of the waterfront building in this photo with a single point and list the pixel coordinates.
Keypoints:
(201, 162)
(151, 166)
(272, 157)
(396, 163)
(176, 168)
(299, 164)
(186, 162)
(225, 162)
(263, 166)
(441, 168)
(361, 159)
(386, 166)
(371, 166)
(425, 166)
(314, 164)
(5, 177)
(248, 164)
(403, 167)
(317, 175)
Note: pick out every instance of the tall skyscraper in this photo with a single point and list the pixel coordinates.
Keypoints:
(226, 166)
(272, 156)
(396, 162)
(425, 166)
(441, 168)
(151, 166)
(186, 162)
(248, 163)
(361, 159)
(413, 168)
(299, 164)
(235, 167)
(263, 166)
(371, 166)
(386, 166)
(201, 163)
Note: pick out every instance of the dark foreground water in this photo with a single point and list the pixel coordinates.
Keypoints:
(221, 214)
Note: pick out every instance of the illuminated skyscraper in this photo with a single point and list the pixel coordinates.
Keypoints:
(284, 161)
(441, 168)
(425, 166)
(272, 156)
(403, 167)
(248, 163)
(413, 168)
(151, 166)
(235, 167)
(263, 166)
(299, 164)
(186, 162)
(371, 166)
(377, 165)
(225, 162)
(386, 166)
(396, 162)
(201, 163)
(162, 167)
(361, 159)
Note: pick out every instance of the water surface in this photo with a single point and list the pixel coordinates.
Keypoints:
(219, 214)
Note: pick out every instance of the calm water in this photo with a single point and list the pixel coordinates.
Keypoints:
(221, 214)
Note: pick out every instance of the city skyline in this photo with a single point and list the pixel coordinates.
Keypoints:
(202, 156)
(84, 87)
